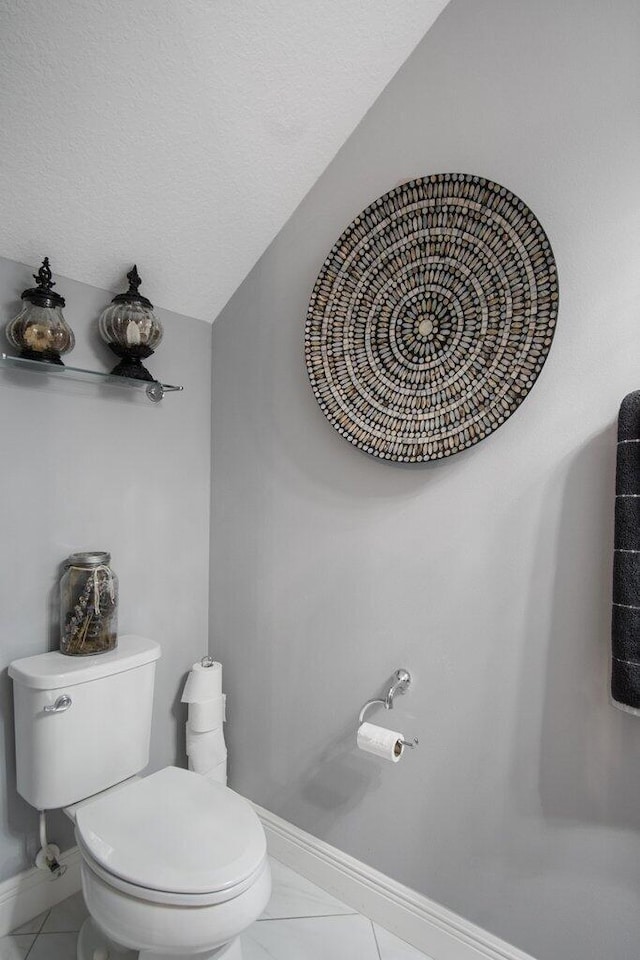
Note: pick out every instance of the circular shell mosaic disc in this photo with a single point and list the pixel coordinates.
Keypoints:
(431, 318)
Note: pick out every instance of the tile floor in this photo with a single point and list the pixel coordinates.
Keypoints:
(302, 922)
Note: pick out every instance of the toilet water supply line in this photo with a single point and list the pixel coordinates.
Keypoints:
(47, 856)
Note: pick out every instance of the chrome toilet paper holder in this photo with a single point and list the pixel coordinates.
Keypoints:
(400, 684)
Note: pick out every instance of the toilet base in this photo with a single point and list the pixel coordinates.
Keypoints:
(93, 944)
(232, 951)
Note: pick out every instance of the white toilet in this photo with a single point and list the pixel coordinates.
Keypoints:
(173, 865)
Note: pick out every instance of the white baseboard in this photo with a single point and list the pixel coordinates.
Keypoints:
(33, 891)
(434, 930)
(429, 927)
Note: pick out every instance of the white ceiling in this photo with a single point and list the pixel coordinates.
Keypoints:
(180, 134)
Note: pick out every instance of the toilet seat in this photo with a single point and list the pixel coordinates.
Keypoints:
(170, 898)
(173, 837)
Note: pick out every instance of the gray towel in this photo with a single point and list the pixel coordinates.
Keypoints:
(625, 623)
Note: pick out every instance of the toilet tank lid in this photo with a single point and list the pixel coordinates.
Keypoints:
(49, 671)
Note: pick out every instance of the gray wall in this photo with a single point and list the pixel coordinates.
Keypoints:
(86, 467)
(487, 575)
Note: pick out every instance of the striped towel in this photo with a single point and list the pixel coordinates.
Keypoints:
(625, 624)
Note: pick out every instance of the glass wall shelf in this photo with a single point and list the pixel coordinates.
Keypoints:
(153, 388)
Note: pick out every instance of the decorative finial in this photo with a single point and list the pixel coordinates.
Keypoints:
(43, 295)
(133, 295)
(43, 276)
(134, 280)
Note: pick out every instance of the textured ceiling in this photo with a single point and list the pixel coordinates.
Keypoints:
(180, 134)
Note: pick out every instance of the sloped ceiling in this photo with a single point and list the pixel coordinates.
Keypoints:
(180, 134)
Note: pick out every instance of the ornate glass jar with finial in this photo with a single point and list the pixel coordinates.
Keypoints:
(40, 331)
(130, 328)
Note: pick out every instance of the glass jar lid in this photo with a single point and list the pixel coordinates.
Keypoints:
(88, 558)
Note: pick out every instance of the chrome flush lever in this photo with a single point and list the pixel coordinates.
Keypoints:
(62, 703)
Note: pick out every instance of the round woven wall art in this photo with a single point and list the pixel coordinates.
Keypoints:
(431, 318)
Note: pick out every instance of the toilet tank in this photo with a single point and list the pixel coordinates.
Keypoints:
(98, 739)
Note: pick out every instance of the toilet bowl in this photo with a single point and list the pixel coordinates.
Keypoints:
(173, 866)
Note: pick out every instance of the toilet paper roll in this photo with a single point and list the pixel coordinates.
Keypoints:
(207, 714)
(205, 750)
(380, 741)
(216, 772)
(203, 683)
(207, 747)
(219, 772)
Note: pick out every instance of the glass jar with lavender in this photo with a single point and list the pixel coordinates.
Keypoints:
(88, 605)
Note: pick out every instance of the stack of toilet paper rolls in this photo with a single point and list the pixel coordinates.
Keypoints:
(206, 749)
